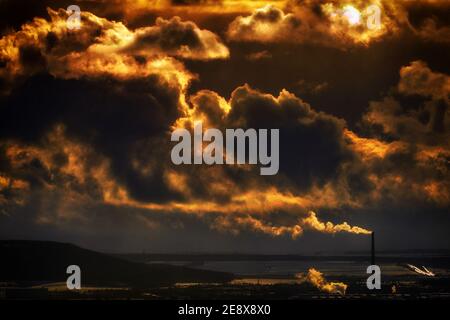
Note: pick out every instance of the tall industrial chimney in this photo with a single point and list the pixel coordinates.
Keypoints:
(372, 259)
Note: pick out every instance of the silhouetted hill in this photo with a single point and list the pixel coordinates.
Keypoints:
(25, 261)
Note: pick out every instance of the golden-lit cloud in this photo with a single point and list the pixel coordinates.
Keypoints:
(393, 118)
(14, 187)
(335, 23)
(337, 26)
(419, 136)
(83, 169)
(236, 224)
(417, 78)
(326, 166)
(370, 148)
(267, 24)
(11, 183)
(133, 8)
(107, 48)
(226, 204)
(430, 30)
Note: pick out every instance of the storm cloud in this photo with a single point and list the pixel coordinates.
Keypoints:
(86, 117)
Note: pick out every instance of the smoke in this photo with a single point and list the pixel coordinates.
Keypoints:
(314, 223)
(234, 224)
(316, 278)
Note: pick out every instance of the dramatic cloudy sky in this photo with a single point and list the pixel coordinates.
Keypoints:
(86, 117)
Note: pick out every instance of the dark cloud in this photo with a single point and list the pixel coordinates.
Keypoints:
(117, 125)
(305, 134)
(15, 13)
(326, 22)
(105, 48)
(178, 38)
(86, 118)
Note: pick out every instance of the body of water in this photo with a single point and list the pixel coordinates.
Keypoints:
(332, 267)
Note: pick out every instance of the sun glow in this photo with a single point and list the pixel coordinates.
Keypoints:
(352, 14)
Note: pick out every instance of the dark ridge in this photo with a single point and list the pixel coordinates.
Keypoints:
(25, 262)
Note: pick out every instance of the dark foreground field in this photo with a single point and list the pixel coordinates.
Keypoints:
(37, 270)
(25, 263)
(357, 291)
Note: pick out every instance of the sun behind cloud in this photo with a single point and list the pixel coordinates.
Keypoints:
(352, 14)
